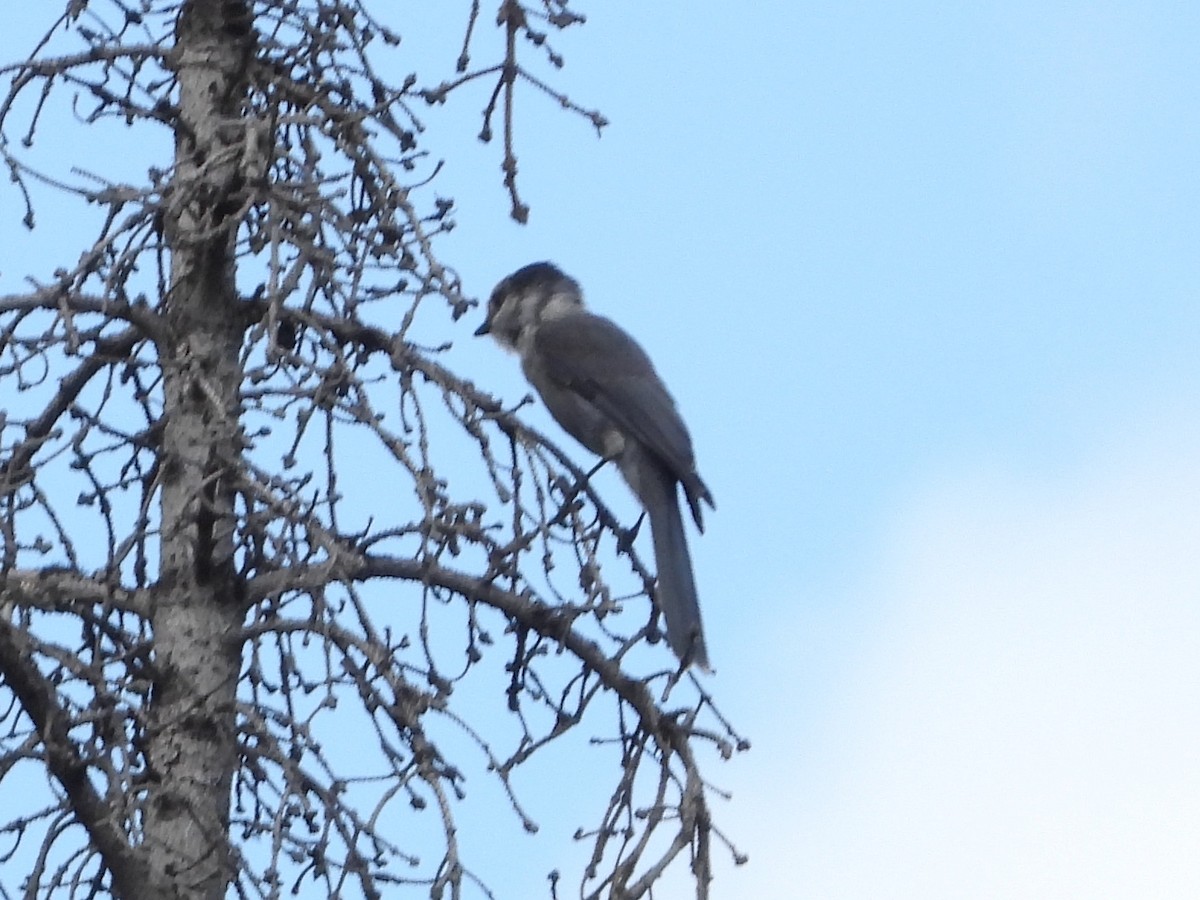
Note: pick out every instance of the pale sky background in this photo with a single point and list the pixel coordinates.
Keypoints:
(924, 280)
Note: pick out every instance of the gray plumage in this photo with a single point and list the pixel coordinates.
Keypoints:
(603, 390)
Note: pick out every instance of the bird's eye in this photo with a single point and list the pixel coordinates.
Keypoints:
(495, 302)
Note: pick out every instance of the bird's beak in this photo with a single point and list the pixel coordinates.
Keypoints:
(485, 328)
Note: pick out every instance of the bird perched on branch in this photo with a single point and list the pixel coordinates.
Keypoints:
(603, 390)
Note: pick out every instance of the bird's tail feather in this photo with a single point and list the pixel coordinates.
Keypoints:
(676, 591)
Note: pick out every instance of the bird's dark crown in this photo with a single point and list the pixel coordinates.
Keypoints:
(518, 300)
(540, 277)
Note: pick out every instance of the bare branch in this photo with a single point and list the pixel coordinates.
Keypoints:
(248, 507)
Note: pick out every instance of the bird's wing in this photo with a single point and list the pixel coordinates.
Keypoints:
(598, 360)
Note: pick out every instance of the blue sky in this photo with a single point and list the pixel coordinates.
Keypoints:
(924, 280)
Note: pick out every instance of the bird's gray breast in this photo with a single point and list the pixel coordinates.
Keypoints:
(577, 415)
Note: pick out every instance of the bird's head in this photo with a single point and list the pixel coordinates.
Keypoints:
(525, 298)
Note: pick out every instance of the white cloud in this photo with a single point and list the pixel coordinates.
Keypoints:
(1022, 717)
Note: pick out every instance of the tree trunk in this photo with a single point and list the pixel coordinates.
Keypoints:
(192, 743)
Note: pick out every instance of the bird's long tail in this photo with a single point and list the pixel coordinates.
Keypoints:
(676, 591)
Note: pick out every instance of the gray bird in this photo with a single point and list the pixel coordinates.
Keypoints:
(602, 389)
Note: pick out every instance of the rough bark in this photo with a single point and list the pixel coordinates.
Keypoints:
(197, 611)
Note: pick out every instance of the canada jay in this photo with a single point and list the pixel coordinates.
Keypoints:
(602, 389)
